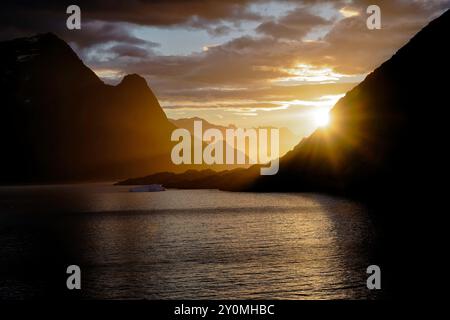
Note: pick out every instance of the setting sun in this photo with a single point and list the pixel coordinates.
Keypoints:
(321, 118)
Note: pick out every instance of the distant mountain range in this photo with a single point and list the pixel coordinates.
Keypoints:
(287, 138)
(386, 135)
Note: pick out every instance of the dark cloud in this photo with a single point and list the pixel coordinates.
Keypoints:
(25, 17)
(129, 51)
(97, 32)
(219, 30)
(254, 62)
(352, 48)
(112, 21)
(107, 41)
(168, 13)
(295, 25)
(243, 61)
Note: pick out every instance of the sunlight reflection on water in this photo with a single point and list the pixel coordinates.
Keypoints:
(200, 244)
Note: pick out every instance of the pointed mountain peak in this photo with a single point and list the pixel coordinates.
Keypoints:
(43, 45)
(40, 41)
(134, 80)
(49, 59)
(45, 36)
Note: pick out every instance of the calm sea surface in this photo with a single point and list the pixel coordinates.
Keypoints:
(182, 244)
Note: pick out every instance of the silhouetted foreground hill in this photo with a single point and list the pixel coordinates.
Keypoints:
(387, 134)
(60, 122)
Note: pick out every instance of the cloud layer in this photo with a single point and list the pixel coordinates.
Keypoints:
(260, 52)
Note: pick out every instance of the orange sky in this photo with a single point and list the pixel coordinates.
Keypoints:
(280, 69)
(246, 62)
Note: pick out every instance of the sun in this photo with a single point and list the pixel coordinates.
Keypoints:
(321, 118)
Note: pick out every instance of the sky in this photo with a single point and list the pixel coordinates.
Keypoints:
(244, 62)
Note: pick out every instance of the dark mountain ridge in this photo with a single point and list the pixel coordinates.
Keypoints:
(60, 122)
(386, 132)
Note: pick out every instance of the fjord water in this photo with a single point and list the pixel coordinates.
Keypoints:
(182, 244)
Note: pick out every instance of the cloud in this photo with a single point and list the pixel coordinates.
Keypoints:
(268, 93)
(99, 32)
(24, 17)
(219, 30)
(295, 25)
(255, 62)
(129, 51)
(251, 61)
(224, 105)
(246, 67)
(352, 48)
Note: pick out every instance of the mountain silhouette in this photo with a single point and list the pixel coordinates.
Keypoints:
(384, 133)
(287, 138)
(60, 122)
(384, 136)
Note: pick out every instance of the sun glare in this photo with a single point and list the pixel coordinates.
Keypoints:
(348, 12)
(321, 118)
